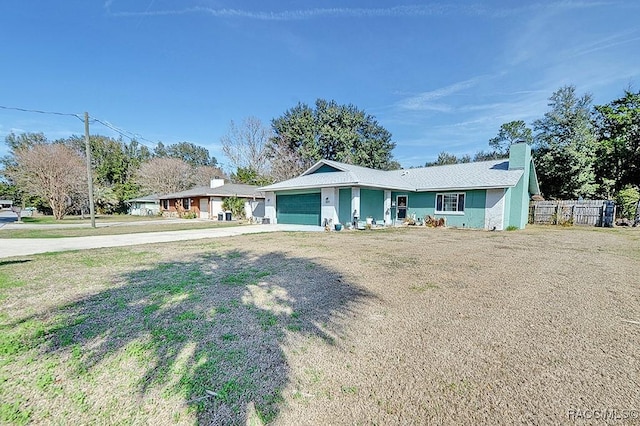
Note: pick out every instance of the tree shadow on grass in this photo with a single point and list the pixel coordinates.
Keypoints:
(210, 330)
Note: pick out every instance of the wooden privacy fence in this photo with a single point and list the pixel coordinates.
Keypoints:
(576, 212)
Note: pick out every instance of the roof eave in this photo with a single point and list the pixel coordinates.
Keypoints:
(464, 188)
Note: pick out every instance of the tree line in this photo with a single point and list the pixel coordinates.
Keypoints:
(580, 150)
(52, 175)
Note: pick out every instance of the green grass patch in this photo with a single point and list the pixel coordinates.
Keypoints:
(22, 338)
(149, 309)
(110, 230)
(247, 277)
(349, 390)
(233, 255)
(13, 413)
(240, 278)
(7, 282)
(267, 410)
(422, 287)
(229, 337)
(187, 316)
(266, 319)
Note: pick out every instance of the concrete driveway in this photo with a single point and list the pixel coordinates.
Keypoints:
(10, 247)
(7, 217)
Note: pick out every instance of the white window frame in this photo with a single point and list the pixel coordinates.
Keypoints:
(457, 204)
(406, 207)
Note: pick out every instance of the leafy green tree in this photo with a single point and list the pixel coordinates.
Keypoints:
(510, 133)
(114, 163)
(618, 153)
(445, 158)
(250, 177)
(304, 135)
(483, 155)
(160, 151)
(627, 201)
(191, 154)
(565, 146)
(235, 205)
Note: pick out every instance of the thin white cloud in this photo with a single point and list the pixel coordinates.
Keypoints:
(418, 10)
(608, 42)
(426, 101)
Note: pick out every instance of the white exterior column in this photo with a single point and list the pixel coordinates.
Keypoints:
(270, 207)
(387, 208)
(355, 203)
(494, 209)
(329, 202)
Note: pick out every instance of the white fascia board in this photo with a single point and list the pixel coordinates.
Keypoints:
(463, 188)
(388, 187)
(298, 187)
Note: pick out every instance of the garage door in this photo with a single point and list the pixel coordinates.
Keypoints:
(300, 209)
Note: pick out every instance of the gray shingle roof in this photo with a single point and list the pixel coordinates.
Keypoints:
(146, 198)
(484, 174)
(226, 190)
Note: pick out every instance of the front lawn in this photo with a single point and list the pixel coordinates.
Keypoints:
(406, 326)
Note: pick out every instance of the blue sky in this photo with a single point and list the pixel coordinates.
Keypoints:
(439, 76)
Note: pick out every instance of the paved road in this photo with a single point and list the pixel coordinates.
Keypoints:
(10, 247)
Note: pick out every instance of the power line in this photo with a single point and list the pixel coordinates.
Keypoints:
(78, 116)
(122, 132)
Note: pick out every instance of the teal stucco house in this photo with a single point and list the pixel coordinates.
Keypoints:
(482, 195)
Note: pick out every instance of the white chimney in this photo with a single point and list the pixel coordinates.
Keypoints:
(216, 182)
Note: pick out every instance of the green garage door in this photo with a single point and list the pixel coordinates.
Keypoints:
(299, 209)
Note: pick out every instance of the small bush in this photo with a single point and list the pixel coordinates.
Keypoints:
(512, 228)
(627, 201)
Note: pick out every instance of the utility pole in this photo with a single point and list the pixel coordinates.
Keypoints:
(89, 174)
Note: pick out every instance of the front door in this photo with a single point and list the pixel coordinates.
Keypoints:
(204, 208)
(401, 202)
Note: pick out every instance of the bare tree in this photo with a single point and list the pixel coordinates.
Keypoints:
(203, 175)
(245, 145)
(165, 175)
(52, 171)
(285, 162)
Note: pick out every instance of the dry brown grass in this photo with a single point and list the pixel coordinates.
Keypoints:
(407, 326)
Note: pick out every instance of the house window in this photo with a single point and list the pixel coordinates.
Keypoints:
(450, 203)
(186, 203)
(165, 204)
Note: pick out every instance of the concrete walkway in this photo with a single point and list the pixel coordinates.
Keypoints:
(10, 247)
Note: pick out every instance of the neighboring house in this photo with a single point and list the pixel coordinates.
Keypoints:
(206, 201)
(6, 204)
(144, 206)
(483, 195)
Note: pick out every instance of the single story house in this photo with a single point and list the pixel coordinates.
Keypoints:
(6, 204)
(149, 205)
(206, 201)
(482, 195)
